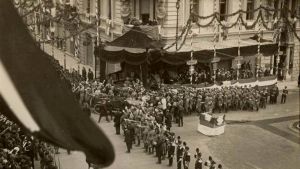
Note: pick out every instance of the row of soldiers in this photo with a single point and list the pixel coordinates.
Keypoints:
(224, 99)
(141, 126)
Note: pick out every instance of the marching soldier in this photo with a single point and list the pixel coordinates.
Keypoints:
(199, 162)
(179, 154)
(117, 120)
(102, 109)
(128, 140)
(171, 151)
(187, 158)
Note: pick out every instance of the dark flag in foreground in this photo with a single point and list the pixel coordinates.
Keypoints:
(34, 96)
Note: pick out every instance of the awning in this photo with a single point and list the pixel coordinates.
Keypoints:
(132, 48)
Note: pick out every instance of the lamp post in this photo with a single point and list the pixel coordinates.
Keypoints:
(177, 13)
(214, 62)
(238, 69)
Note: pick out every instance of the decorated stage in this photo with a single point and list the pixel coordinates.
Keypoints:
(260, 82)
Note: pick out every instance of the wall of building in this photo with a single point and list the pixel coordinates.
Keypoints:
(112, 24)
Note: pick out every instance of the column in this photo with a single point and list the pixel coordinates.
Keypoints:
(286, 75)
(105, 8)
(272, 65)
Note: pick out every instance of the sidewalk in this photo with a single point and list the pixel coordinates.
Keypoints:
(71, 61)
(289, 84)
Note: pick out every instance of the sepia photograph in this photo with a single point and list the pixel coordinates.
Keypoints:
(149, 84)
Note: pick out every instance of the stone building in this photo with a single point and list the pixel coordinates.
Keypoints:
(163, 17)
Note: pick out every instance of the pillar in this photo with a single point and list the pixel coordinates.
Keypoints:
(286, 75)
(105, 8)
(272, 65)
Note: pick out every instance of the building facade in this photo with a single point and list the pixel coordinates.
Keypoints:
(169, 18)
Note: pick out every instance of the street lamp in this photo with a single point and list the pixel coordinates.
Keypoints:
(238, 69)
(214, 62)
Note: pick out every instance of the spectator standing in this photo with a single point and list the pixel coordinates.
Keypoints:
(90, 75)
(284, 95)
(199, 161)
(83, 74)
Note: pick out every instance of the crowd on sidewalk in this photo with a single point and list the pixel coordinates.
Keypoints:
(19, 150)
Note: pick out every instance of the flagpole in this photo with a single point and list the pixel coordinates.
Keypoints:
(97, 45)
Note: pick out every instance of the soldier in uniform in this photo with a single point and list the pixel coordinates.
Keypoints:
(198, 162)
(128, 140)
(179, 155)
(117, 121)
(284, 94)
(168, 120)
(220, 103)
(180, 115)
(159, 148)
(171, 151)
(102, 109)
(138, 133)
(187, 158)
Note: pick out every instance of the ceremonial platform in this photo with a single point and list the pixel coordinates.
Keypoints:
(211, 125)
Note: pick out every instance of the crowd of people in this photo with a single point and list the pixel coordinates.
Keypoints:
(19, 150)
(202, 75)
(151, 129)
(146, 116)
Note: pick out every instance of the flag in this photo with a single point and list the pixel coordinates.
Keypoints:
(32, 93)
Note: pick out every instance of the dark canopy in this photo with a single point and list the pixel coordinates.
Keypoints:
(178, 58)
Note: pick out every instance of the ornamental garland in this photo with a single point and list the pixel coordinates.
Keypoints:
(215, 16)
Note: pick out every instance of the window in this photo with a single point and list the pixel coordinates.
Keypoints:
(250, 8)
(223, 9)
(195, 10)
(109, 10)
(88, 9)
(145, 11)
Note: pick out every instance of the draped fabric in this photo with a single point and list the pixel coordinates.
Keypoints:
(135, 48)
(179, 58)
